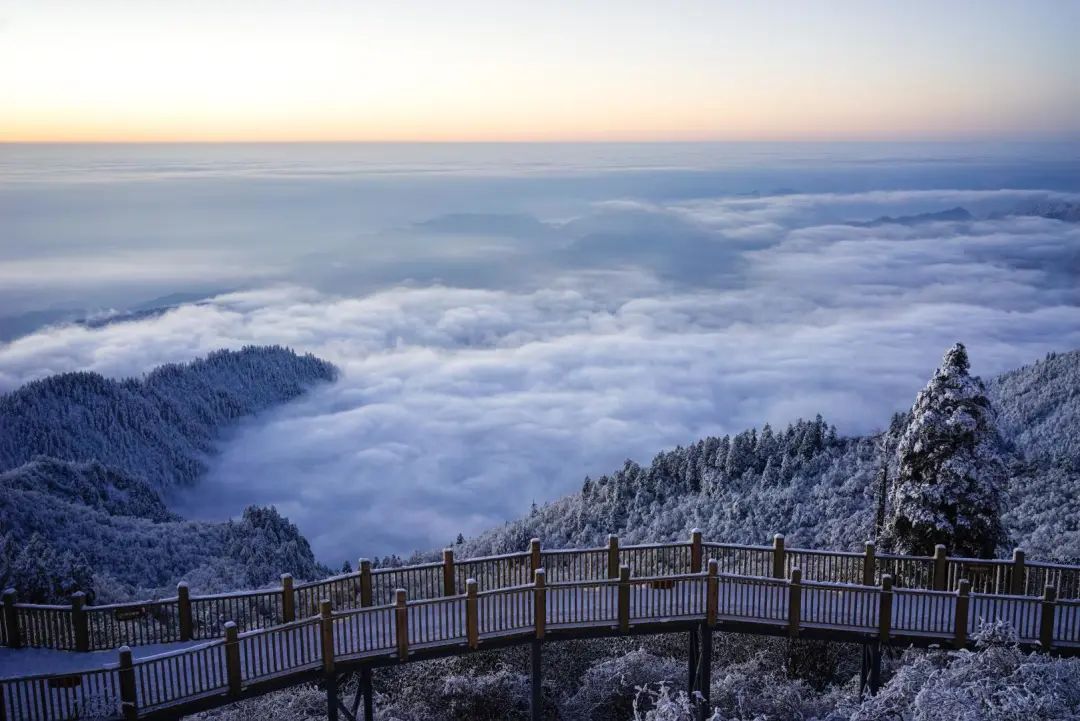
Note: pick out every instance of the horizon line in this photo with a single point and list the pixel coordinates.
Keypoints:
(555, 141)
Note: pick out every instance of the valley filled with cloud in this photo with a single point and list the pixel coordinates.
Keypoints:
(557, 339)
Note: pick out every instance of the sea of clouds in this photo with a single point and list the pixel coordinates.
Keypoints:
(492, 359)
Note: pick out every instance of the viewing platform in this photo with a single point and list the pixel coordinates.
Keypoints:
(238, 645)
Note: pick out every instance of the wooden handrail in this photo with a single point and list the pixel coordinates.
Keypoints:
(189, 617)
(389, 634)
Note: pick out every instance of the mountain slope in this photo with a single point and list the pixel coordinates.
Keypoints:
(123, 556)
(159, 428)
(1039, 412)
(819, 489)
(1039, 407)
(88, 484)
(81, 506)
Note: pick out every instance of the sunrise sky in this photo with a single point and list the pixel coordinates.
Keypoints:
(152, 70)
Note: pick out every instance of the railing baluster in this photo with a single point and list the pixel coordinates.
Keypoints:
(128, 702)
(961, 618)
(885, 606)
(1046, 618)
(472, 614)
(778, 563)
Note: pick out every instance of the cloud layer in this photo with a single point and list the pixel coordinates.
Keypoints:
(656, 323)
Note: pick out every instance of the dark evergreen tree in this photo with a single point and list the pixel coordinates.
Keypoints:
(951, 476)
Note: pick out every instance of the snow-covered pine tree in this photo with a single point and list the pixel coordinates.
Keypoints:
(951, 475)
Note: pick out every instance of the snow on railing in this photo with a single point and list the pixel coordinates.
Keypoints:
(188, 617)
(742, 560)
(52, 697)
(255, 661)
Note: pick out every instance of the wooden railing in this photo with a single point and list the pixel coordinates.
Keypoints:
(265, 636)
(186, 617)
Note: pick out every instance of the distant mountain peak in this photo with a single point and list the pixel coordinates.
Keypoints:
(956, 214)
(1064, 210)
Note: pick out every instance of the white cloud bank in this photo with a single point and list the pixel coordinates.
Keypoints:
(458, 407)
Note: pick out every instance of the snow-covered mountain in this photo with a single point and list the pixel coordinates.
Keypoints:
(158, 428)
(88, 459)
(821, 489)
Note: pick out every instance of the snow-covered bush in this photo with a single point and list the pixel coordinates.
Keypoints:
(996, 682)
(503, 694)
(609, 690)
(761, 688)
(662, 704)
(301, 703)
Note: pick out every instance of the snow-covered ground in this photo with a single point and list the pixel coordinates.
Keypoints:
(30, 661)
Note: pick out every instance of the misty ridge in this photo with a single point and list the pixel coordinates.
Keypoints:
(159, 427)
(87, 463)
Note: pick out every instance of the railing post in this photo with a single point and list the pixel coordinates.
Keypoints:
(129, 707)
(11, 620)
(1018, 580)
(885, 597)
(80, 624)
(695, 551)
(232, 658)
(705, 672)
(624, 598)
(401, 624)
(540, 603)
(183, 611)
(326, 628)
(960, 624)
(365, 582)
(535, 562)
(712, 588)
(472, 614)
(288, 599)
(869, 564)
(448, 572)
(612, 556)
(940, 568)
(794, 601)
(369, 696)
(1046, 618)
(536, 681)
(778, 570)
(693, 655)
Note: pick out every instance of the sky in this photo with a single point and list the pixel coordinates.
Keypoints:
(328, 70)
(509, 319)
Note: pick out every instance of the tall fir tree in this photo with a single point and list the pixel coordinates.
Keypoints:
(950, 473)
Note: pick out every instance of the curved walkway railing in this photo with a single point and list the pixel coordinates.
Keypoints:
(266, 639)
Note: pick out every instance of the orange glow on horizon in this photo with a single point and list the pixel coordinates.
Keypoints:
(613, 70)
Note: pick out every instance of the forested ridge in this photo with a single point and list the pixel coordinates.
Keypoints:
(160, 427)
(821, 489)
(88, 460)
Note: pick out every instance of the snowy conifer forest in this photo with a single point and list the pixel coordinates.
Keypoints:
(86, 462)
(979, 466)
(824, 490)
